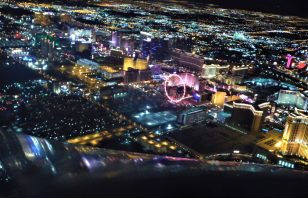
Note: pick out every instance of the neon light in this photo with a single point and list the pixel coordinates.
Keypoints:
(181, 82)
(301, 65)
(289, 62)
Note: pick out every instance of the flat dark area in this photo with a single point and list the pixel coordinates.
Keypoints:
(65, 117)
(16, 73)
(117, 144)
(214, 139)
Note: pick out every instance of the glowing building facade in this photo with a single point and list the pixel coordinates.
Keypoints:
(110, 73)
(233, 80)
(139, 64)
(190, 80)
(218, 98)
(209, 71)
(212, 70)
(245, 116)
(135, 75)
(81, 35)
(295, 136)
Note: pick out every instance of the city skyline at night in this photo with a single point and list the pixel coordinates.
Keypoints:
(185, 86)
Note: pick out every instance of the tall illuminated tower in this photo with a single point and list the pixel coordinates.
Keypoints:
(289, 61)
(218, 98)
(295, 136)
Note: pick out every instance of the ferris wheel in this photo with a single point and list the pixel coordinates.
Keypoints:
(175, 88)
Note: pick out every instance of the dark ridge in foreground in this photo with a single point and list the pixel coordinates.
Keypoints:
(59, 169)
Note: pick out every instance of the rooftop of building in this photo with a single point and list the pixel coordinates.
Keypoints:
(299, 93)
(300, 113)
(109, 69)
(254, 107)
(194, 109)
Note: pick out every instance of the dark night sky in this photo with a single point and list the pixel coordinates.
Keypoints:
(286, 7)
